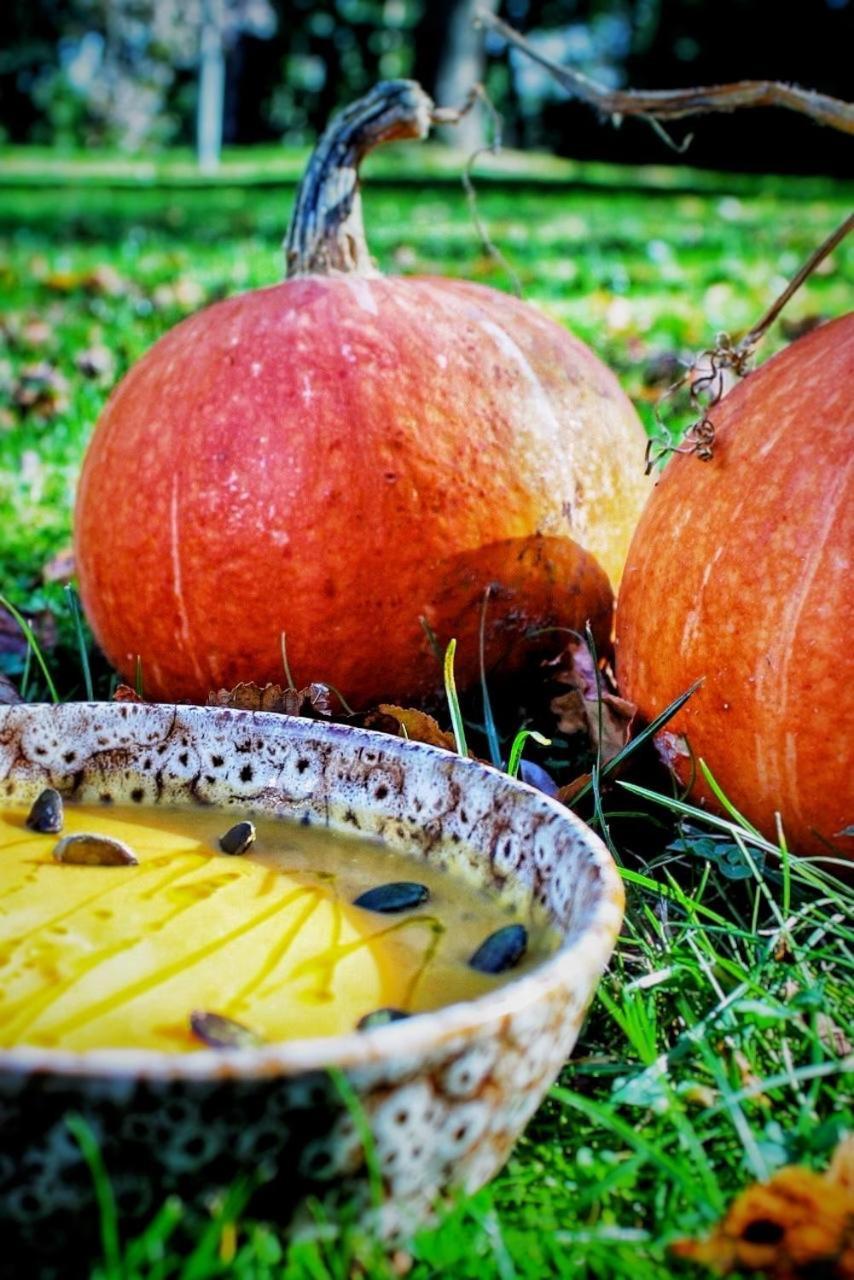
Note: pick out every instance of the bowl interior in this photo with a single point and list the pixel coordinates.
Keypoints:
(467, 818)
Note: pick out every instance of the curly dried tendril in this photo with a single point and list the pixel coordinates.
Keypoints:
(708, 381)
(707, 374)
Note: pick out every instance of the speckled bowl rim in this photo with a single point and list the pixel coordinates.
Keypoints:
(415, 1037)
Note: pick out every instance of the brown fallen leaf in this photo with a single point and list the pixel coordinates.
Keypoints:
(832, 1036)
(319, 698)
(183, 293)
(60, 567)
(314, 700)
(96, 362)
(103, 280)
(9, 695)
(124, 693)
(589, 704)
(40, 389)
(748, 1077)
(35, 332)
(798, 1225)
(419, 726)
(12, 638)
(248, 696)
(567, 793)
(841, 1171)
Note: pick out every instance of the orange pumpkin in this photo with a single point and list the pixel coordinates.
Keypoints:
(740, 572)
(343, 455)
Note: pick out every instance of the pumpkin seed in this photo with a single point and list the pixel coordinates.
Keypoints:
(238, 838)
(501, 950)
(88, 850)
(46, 814)
(380, 1018)
(219, 1032)
(399, 895)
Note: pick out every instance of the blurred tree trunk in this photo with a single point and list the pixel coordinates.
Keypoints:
(211, 88)
(450, 59)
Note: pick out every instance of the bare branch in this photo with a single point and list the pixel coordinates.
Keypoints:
(674, 104)
(750, 340)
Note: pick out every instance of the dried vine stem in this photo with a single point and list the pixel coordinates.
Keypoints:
(453, 115)
(730, 357)
(675, 104)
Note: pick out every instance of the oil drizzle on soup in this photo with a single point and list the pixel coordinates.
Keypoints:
(97, 956)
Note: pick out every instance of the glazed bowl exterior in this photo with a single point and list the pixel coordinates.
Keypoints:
(445, 1093)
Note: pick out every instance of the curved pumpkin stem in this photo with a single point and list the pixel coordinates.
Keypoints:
(326, 235)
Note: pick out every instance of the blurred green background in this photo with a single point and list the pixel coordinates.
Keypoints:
(127, 73)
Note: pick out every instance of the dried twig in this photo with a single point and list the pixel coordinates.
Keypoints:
(727, 356)
(675, 104)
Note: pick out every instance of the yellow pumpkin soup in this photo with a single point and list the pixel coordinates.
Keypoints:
(179, 929)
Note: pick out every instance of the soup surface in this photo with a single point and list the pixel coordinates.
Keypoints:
(142, 955)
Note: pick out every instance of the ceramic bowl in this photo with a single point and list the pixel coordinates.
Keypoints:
(445, 1093)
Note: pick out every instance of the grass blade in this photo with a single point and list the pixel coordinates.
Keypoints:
(283, 641)
(724, 800)
(519, 745)
(33, 645)
(109, 1218)
(356, 1111)
(645, 734)
(453, 701)
(488, 718)
(81, 641)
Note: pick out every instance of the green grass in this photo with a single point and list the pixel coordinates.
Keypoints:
(642, 274)
(708, 1061)
(714, 1051)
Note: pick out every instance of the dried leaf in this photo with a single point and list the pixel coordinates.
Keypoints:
(783, 952)
(12, 638)
(841, 1171)
(96, 362)
(124, 693)
(797, 1224)
(312, 701)
(40, 389)
(567, 794)
(35, 332)
(319, 698)
(9, 695)
(671, 748)
(832, 1035)
(184, 293)
(248, 696)
(749, 1079)
(60, 568)
(570, 712)
(104, 280)
(419, 726)
(589, 703)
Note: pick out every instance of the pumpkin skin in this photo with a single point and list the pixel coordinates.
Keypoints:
(338, 456)
(739, 572)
